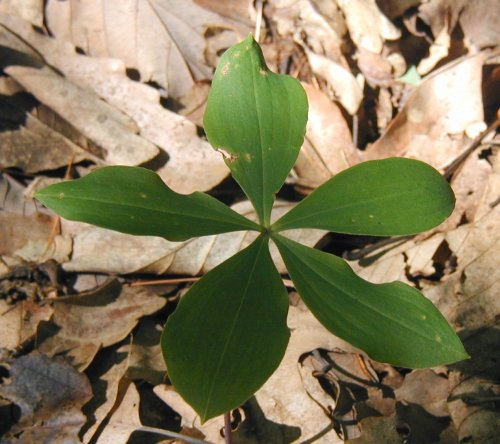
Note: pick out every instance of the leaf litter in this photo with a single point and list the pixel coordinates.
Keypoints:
(94, 88)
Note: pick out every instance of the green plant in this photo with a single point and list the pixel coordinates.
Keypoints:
(229, 333)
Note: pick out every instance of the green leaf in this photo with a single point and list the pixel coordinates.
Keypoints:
(229, 333)
(136, 201)
(257, 119)
(392, 322)
(388, 197)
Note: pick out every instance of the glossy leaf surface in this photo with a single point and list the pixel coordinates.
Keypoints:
(228, 333)
(388, 197)
(257, 119)
(136, 201)
(392, 322)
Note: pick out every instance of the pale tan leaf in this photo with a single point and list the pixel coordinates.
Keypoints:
(441, 16)
(431, 126)
(124, 421)
(192, 163)
(163, 40)
(106, 377)
(30, 10)
(109, 128)
(343, 83)
(29, 144)
(100, 250)
(328, 147)
(302, 17)
(368, 27)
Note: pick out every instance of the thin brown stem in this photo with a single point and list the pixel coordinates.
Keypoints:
(227, 428)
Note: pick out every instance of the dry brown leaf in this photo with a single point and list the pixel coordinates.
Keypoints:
(107, 127)
(328, 147)
(296, 18)
(106, 376)
(50, 395)
(432, 125)
(192, 163)
(344, 85)
(124, 421)
(470, 296)
(474, 387)
(29, 144)
(19, 322)
(144, 356)
(82, 324)
(441, 16)
(100, 250)
(163, 40)
(29, 10)
(427, 389)
(479, 22)
(368, 27)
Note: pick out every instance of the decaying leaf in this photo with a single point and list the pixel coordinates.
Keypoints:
(82, 324)
(50, 395)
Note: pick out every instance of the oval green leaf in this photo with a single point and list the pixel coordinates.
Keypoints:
(229, 333)
(136, 201)
(387, 197)
(392, 322)
(257, 119)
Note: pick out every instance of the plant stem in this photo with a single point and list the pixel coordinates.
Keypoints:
(227, 428)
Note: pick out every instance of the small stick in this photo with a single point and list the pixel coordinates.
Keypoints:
(258, 20)
(227, 428)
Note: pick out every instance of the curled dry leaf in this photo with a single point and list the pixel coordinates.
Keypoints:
(100, 250)
(368, 27)
(342, 82)
(441, 16)
(192, 163)
(82, 324)
(50, 395)
(328, 147)
(302, 17)
(432, 124)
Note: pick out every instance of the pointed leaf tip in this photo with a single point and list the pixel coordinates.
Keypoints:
(392, 323)
(228, 333)
(257, 119)
(387, 197)
(136, 201)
